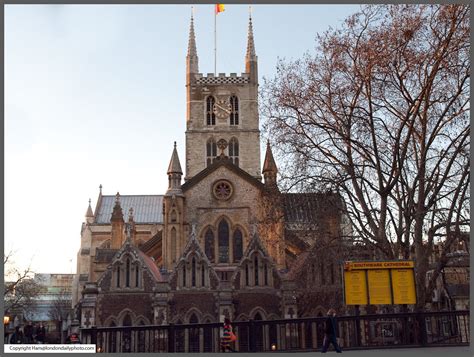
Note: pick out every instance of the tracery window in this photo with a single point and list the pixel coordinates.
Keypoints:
(211, 151)
(118, 276)
(234, 111)
(210, 115)
(184, 275)
(256, 270)
(223, 241)
(265, 274)
(234, 151)
(238, 245)
(137, 276)
(209, 245)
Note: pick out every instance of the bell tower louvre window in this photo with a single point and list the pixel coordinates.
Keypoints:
(210, 115)
(211, 151)
(234, 111)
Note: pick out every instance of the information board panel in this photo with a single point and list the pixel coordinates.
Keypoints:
(355, 287)
(403, 283)
(379, 287)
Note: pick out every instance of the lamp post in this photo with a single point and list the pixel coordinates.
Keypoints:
(6, 321)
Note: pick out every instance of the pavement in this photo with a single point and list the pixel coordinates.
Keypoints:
(462, 351)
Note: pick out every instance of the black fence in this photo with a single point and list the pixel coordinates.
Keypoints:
(305, 334)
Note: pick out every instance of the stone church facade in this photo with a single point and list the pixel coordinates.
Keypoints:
(221, 241)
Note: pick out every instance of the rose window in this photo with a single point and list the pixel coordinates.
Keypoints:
(222, 190)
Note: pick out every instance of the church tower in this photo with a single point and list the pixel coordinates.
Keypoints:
(222, 108)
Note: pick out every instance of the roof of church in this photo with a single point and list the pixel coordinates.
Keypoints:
(221, 161)
(146, 208)
(151, 266)
(310, 207)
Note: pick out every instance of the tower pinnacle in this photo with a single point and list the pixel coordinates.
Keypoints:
(270, 169)
(192, 62)
(174, 173)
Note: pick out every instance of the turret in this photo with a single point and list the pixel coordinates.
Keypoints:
(174, 174)
(270, 169)
(173, 214)
(117, 222)
(89, 214)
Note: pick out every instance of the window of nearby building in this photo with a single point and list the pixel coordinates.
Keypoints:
(234, 111)
(223, 241)
(210, 115)
(234, 151)
(211, 151)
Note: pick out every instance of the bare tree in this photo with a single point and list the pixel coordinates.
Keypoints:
(380, 114)
(20, 288)
(60, 309)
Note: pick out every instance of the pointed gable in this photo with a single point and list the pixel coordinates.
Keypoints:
(138, 257)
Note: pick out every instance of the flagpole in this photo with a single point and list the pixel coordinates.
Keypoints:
(215, 41)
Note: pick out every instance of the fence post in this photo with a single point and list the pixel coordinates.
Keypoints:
(171, 334)
(94, 335)
(422, 327)
(357, 326)
(252, 344)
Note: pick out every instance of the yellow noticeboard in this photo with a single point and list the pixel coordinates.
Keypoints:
(355, 287)
(379, 287)
(403, 283)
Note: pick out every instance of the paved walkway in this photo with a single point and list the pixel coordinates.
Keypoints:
(464, 351)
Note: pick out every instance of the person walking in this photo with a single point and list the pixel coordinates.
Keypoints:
(40, 333)
(17, 337)
(29, 331)
(227, 336)
(331, 332)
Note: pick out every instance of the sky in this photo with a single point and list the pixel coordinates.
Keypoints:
(95, 94)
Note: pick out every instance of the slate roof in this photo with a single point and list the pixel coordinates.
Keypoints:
(146, 208)
(310, 207)
(153, 241)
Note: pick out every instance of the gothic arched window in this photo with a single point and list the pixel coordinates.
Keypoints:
(210, 115)
(127, 273)
(234, 111)
(265, 273)
(256, 270)
(184, 275)
(223, 241)
(247, 274)
(211, 151)
(118, 276)
(234, 151)
(209, 245)
(193, 272)
(173, 244)
(238, 246)
(193, 319)
(137, 276)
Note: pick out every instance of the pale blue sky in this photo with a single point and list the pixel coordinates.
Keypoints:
(94, 94)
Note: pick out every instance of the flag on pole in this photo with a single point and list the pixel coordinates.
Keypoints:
(219, 8)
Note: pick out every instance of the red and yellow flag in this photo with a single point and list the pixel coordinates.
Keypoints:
(219, 8)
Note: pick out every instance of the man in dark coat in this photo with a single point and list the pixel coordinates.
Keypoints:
(40, 333)
(28, 332)
(331, 332)
(17, 336)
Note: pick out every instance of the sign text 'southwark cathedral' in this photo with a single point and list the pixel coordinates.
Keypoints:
(222, 243)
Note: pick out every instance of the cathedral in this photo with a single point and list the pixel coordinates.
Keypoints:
(222, 240)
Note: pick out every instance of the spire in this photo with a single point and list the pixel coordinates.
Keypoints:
(270, 169)
(89, 213)
(251, 66)
(174, 166)
(192, 61)
(250, 42)
(117, 214)
(174, 173)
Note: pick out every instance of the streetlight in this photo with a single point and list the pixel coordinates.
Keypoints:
(274, 347)
(6, 321)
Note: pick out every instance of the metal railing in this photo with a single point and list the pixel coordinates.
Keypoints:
(449, 328)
